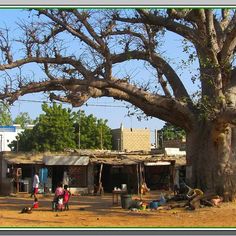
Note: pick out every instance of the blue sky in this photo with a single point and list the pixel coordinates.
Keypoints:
(106, 108)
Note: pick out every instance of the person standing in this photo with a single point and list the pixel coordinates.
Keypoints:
(59, 194)
(66, 197)
(35, 185)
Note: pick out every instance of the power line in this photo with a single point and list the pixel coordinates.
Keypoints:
(86, 104)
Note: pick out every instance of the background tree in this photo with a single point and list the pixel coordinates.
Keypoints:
(26, 142)
(92, 133)
(53, 132)
(78, 50)
(59, 129)
(5, 115)
(23, 119)
(171, 132)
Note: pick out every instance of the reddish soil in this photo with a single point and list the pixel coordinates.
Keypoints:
(97, 211)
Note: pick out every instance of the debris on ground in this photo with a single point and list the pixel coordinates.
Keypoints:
(27, 210)
(191, 199)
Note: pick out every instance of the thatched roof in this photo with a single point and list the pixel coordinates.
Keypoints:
(134, 159)
(22, 158)
(96, 157)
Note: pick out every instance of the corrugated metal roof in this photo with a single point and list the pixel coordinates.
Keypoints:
(66, 160)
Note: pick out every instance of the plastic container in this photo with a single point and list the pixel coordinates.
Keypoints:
(154, 205)
(143, 207)
(36, 205)
(126, 201)
(162, 199)
(124, 187)
(136, 204)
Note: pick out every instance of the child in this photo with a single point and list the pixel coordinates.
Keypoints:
(66, 197)
(60, 203)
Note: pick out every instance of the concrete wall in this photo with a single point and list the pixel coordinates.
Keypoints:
(116, 139)
(5, 183)
(125, 139)
(90, 178)
(174, 144)
(78, 191)
(136, 139)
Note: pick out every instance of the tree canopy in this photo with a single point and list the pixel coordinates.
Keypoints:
(23, 119)
(59, 129)
(171, 132)
(92, 133)
(54, 131)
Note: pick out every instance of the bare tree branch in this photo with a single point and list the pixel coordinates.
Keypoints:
(59, 60)
(211, 32)
(225, 18)
(70, 29)
(163, 84)
(169, 24)
(159, 63)
(82, 90)
(229, 45)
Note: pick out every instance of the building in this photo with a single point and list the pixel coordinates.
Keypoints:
(176, 143)
(7, 135)
(129, 139)
(17, 171)
(84, 171)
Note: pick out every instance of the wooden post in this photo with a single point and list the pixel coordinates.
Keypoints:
(17, 185)
(172, 176)
(138, 179)
(141, 179)
(100, 188)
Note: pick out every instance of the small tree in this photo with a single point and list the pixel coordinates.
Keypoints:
(5, 116)
(25, 141)
(55, 130)
(23, 119)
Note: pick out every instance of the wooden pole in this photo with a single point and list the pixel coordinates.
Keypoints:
(138, 179)
(17, 184)
(172, 176)
(100, 188)
(140, 176)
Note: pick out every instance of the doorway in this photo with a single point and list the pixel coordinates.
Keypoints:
(57, 176)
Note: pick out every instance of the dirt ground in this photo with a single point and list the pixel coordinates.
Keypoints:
(98, 211)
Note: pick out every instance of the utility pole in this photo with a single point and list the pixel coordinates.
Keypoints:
(101, 138)
(17, 143)
(79, 130)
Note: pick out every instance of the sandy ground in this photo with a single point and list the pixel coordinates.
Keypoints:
(97, 211)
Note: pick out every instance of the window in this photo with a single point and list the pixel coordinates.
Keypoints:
(78, 176)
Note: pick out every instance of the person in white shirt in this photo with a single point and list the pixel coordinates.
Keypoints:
(35, 185)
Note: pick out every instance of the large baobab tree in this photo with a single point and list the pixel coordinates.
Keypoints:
(78, 50)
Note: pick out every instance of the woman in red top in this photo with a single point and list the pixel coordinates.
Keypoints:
(66, 197)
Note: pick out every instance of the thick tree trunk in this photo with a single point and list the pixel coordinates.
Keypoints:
(210, 159)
